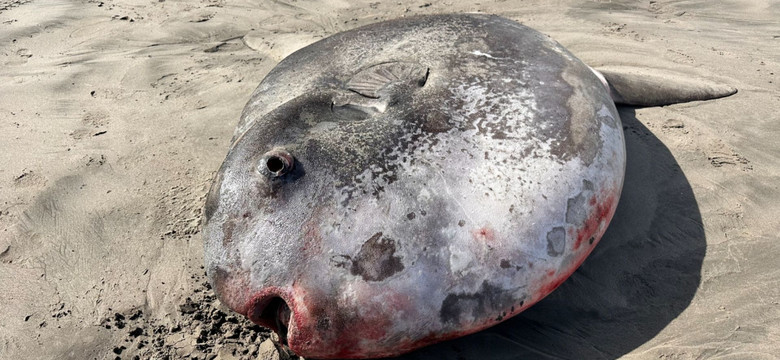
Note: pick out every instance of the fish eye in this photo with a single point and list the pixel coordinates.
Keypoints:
(276, 163)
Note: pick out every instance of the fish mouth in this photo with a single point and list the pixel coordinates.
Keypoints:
(271, 309)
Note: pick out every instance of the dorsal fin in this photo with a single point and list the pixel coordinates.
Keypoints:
(641, 87)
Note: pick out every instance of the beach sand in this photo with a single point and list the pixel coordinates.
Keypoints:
(115, 115)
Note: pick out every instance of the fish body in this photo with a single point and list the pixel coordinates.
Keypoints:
(412, 181)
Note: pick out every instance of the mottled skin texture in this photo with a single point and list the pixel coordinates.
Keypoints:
(428, 210)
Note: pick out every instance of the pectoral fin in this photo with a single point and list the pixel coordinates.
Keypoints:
(373, 81)
(372, 90)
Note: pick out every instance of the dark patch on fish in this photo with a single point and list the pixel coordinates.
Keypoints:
(576, 207)
(227, 231)
(323, 324)
(488, 300)
(556, 241)
(506, 264)
(436, 122)
(376, 260)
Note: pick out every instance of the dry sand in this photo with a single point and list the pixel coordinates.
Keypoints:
(115, 114)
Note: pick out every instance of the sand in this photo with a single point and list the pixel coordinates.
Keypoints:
(114, 116)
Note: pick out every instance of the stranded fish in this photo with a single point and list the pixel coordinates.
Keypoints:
(416, 180)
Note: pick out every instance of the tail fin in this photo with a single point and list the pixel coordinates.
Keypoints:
(641, 87)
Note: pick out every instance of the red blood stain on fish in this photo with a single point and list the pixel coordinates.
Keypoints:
(592, 231)
(348, 344)
(602, 215)
(553, 284)
(484, 234)
(322, 322)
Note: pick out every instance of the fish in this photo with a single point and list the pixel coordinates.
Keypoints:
(417, 180)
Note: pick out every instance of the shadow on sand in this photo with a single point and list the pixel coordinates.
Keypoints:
(640, 277)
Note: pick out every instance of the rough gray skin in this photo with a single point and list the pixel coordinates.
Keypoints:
(412, 181)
